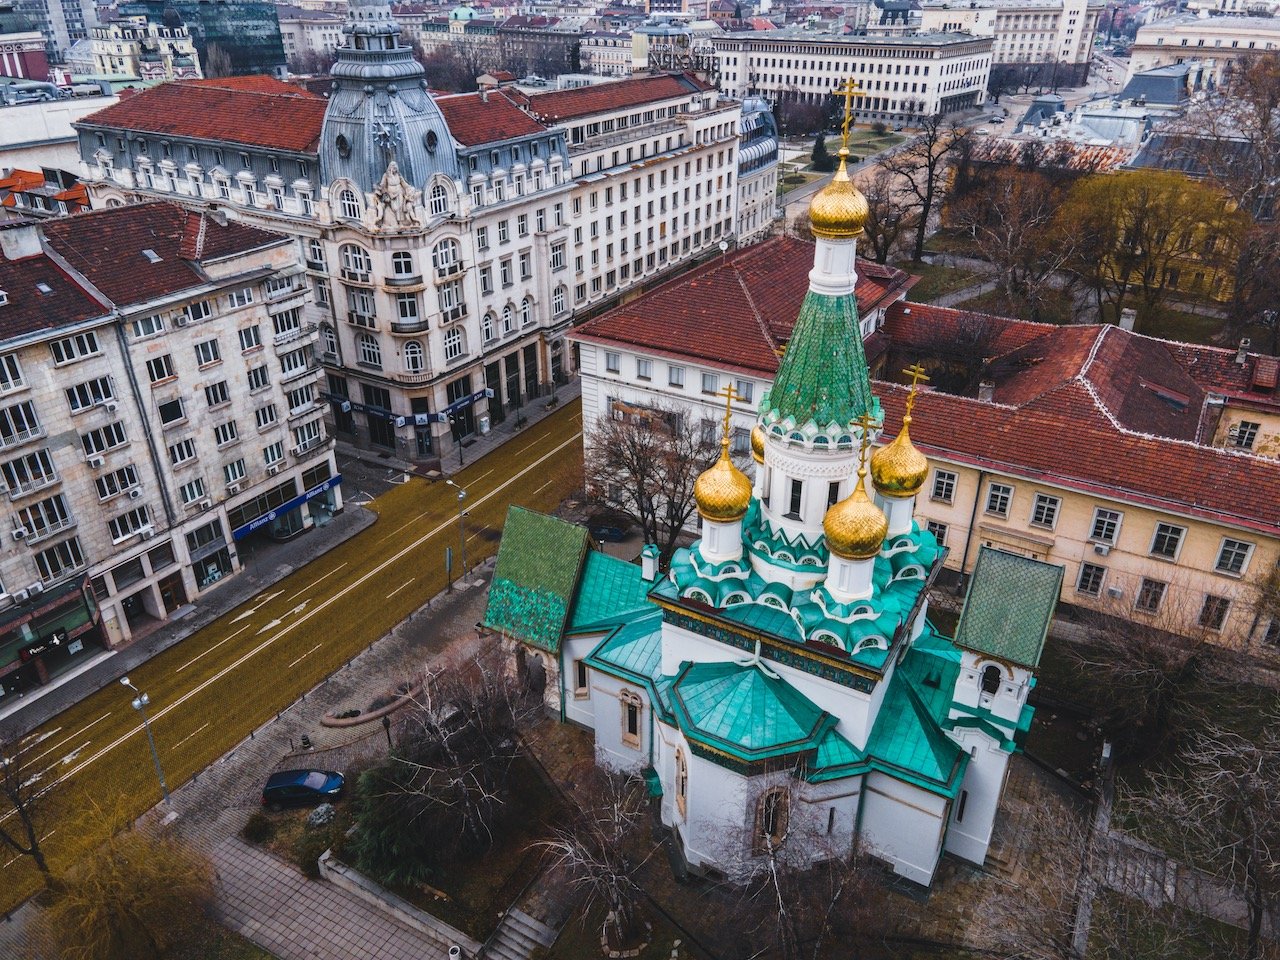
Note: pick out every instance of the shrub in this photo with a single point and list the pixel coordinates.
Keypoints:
(310, 845)
(259, 829)
(879, 128)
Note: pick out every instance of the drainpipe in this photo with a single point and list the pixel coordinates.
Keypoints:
(968, 540)
(156, 463)
(561, 672)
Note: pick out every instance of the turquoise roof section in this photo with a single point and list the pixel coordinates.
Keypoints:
(822, 383)
(633, 648)
(738, 709)
(608, 589)
(1009, 606)
(539, 561)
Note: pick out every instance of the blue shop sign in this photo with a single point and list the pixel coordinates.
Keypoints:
(239, 533)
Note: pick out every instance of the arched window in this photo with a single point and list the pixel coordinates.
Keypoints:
(682, 783)
(328, 340)
(991, 680)
(632, 707)
(773, 818)
(370, 352)
(355, 259)
(453, 345)
(444, 256)
(489, 326)
(439, 200)
(526, 311)
(508, 319)
(348, 205)
(414, 359)
(559, 299)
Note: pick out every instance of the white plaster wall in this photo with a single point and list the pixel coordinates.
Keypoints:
(606, 705)
(578, 709)
(1007, 702)
(904, 825)
(984, 778)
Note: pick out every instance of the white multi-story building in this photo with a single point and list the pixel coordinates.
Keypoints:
(757, 170)
(451, 241)
(138, 47)
(606, 54)
(159, 405)
(309, 32)
(1216, 42)
(902, 77)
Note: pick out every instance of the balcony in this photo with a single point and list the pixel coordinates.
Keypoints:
(298, 413)
(297, 333)
(49, 530)
(421, 376)
(356, 276)
(310, 370)
(409, 326)
(404, 279)
(16, 439)
(453, 314)
(447, 271)
(33, 486)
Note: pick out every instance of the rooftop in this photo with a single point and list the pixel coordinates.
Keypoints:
(39, 295)
(1009, 606)
(476, 118)
(560, 105)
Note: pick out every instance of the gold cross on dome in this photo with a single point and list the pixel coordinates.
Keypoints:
(730, 395)
(917, 374)
(849, 89)
(866, 422)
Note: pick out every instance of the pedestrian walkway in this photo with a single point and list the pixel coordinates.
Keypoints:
(268, 901)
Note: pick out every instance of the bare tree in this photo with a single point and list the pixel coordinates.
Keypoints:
(21, 823)
(604, 847)
(217, 61)
(643, 463)
(444, 791)
(888, 217)
(921, 167)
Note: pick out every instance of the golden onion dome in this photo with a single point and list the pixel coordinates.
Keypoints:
(855, 527)
(838, 211)
(757, 443)
(722, 492)
(898, 469)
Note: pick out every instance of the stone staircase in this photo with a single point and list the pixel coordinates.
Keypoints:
(517, 937)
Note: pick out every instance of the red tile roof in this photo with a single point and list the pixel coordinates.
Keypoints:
(106, 247)
(735, 311)
(560, 105)
(29, 309)
(474, 119)
(255, 111)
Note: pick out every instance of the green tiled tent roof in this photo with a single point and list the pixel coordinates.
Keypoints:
(533, 584)
(823, 376)
(609, 588)
(1009, 606)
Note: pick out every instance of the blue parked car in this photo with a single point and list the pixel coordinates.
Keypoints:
(295, 788)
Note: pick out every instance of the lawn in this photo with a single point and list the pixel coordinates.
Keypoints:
(937, 280)
(1139, 931)
(1182, 326)
(1057, 310)
(793, 181)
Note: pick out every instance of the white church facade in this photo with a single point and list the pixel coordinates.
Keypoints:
(780, 684)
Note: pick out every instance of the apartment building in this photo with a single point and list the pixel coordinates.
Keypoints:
(308, 33)
(158, 405)
(1146, 469)
(606, 54)
(902, 76)
(141, 48)
(757, 170)
(450, 241)
(1215, 42)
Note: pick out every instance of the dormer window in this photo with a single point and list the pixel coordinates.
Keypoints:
(4, 298)
(44, 288)
(152, 256)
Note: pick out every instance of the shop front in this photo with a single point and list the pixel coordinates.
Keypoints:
(282, 518)
(47, 635)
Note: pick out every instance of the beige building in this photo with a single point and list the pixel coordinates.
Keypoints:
(606, 54)
(1216, 42)
(142, 48)
(308, 32)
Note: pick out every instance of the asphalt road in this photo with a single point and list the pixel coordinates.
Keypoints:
(212, 689)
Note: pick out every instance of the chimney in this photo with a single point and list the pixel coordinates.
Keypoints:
(987, 391)
(649, 562)
(1242, 351)
(20, 241)
(1128, 318)
(484, 94)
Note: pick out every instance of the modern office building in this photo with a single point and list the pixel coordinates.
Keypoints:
(244, 34)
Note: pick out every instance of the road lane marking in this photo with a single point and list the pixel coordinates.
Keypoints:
(214, 647)
(262, 601)
(245, 657)
(314, 582)
(401, 587)
(305, 655)
(68, 738)
(19, 856)
(190, 735)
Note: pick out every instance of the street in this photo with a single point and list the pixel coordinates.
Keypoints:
(210, 691)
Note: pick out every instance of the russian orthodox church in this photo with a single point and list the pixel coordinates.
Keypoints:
(781, 683)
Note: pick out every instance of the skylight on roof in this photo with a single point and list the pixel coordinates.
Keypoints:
(151, 255)
(4, 298)
(44, 287)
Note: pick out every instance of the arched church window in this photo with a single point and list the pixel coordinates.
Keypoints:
(773, 818)
(414, 359)
(682, 783)
(370, 352)
(328, 340)
(453, 345)
(439, 200)
(348, 205)
(559, 298)
(632, 705)
(508, 319)
(991, 680)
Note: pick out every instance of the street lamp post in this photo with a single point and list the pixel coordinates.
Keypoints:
(140, 703)
(462, 524)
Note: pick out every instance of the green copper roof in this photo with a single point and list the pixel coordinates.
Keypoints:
(609, 588)
(737, 709)
(823, 377)
(1009, 606)
(533, 583)
(634, 648)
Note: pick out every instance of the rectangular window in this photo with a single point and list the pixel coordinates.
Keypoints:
(207, 352)
(29, 472)
(216, 394)
(192, 491)
(504, 228)
(226, 433)
(580, 687)
(482, 238)
(287, 325)
(233, 472)
(10, 372)
(146, 327)
(558, 255)
(1044, 512)
(1150, 596)
(486, 279)
(172, 412)
(184, 451)
(305, 436)
(675, 377)
(1106, 525)
(104, 438)
(999, 496)
(195, 312)
(944, 486)
(710, 383)
(1167, 540)
(1233, 556)
(833, 493)
(1214, 612)
(797, 498)
(250, 338)
(89, 394)
(259, 379)
(526, 266)
(1243, 434)
(59, 560)
(160, 369)
(45, 518)
(644, 369)
(939, 531)
(265, 416)
(127, 524)
(1090, 580)
(274, 453)
(240, 298)
(612, 363)
(71, 349)
(745, 390)
(116, 482)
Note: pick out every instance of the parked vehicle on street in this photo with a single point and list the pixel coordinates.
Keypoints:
(300, 788)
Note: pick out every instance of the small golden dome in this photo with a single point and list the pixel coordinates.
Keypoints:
(722, 492)
(899, 469)
(855, 527)
(757, 443)
(839, 210)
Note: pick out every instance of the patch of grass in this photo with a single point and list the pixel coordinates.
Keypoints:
(1173, 324)
(793, 181)
(218, 943)
(1057, 310)
(1166, 933)
(937, 280)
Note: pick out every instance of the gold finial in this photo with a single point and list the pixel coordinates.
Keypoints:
(723, 492)
(917, 374)
(849, 89)
(855, 527)
(866, 423)
(729, 395)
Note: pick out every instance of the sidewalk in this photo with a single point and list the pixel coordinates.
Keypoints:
(264, 563)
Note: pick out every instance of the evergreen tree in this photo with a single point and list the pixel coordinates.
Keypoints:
(823, 162)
